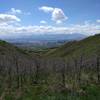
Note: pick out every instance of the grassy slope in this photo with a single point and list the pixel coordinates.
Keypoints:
(88, 46)
(11, 50)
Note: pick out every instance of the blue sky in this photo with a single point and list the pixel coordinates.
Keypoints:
(22, 17)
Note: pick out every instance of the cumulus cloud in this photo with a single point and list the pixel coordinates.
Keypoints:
(98, 21)
(33, 29)
(46, 9)
(10, 26)
(57, 14)
(43, 22)
(6, 18)
(14, 11)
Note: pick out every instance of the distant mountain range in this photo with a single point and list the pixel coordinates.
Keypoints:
(45, 37)
(43, 40)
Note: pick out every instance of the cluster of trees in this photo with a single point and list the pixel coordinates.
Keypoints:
(58, 73)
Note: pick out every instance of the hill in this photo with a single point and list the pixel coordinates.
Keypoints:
(87, 46)
(9, 51)
(24, 75)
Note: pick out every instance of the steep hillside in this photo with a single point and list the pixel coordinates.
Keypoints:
(12, 57)
(25, 76)
(6, 48)
(88, 46)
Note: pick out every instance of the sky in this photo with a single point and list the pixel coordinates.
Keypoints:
(28, 17)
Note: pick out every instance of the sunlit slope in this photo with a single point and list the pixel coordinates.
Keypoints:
(9, 49)
(88, 46)
(10, 54)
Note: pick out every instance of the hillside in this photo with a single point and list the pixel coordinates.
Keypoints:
(9, 49)
(10, 52)
(88, 46)
(46, 75)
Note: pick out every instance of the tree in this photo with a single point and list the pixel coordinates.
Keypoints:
(37, 66)
(17, 71)
(63, 74)
(98, 68)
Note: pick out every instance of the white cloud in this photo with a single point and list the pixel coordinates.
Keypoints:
(43, 22)
(6, 18)
(58, 22)
(14, 11)
(10, 26)
(11, 30)
(98, 21)
(46, 9)
(57, 14)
